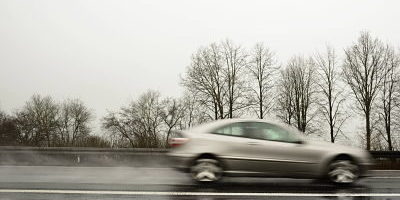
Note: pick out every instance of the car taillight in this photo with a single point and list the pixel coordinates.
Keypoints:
(175, 142)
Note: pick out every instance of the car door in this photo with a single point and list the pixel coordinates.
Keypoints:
(279, 151)
(237, 149)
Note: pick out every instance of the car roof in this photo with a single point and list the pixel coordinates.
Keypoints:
(221, 122)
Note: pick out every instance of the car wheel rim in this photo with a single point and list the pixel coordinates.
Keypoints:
(206, 170)
(343, 171)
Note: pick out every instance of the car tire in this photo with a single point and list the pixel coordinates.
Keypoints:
(343, 172)
(206, 171)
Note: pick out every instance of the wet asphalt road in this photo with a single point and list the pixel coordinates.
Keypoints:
(52, 182)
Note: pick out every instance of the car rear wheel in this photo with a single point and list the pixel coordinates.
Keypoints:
(206, 171)
(343, 171)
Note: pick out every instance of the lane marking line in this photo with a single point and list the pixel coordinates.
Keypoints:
(155, 193)
(384, 177)
(385, 170)
(83, 167)
(142, 167)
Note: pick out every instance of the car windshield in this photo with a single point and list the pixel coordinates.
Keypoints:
(292, 133)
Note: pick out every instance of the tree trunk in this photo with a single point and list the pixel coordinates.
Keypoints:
(131, 142)
(368, 129)
(215, 111)
(389, 138)
(261, 102)
(230, 110)
(168, 133)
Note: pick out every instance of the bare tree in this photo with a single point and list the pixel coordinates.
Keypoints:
(215, 77)
(331, 102)
(94, 141)
(262, 69)
(193, 111)
(139, 123)
(8, 130)
(389, 95)
(120, 126)
(190, 107)
(173, 113)
(285, 103)
(304, 90)
(37, 121)
(363, 70)
(205, 79)
(43, 122)
(235, 62)
(74, 118)
(298, 92)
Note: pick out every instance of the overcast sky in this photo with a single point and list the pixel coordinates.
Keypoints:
(108, 52)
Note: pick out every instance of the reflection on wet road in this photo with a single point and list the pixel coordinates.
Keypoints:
(51, 182)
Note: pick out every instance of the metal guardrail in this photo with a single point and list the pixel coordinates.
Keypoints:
(81, 150)
(78, 156)
(386, 160)
(385, 154)
(72, 156)
(375, 154)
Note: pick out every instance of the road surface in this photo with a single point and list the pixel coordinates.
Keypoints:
(55, 182)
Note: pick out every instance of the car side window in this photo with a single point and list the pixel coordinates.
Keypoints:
(272, 132)
(256, 130)
(233, 130)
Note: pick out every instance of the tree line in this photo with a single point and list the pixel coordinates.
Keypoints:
(309, 92)
(42, 122)
(318, 94)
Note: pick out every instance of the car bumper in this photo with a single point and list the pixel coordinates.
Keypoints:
(181, 162)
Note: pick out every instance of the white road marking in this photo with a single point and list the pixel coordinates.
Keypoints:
(83, 167)
(385, 177)
(155, 193)
(384, 170)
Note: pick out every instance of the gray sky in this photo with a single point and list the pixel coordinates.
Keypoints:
(108, 52)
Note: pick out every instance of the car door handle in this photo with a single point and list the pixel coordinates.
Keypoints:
(252, 143)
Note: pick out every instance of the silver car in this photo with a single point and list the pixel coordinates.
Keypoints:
(267, 148)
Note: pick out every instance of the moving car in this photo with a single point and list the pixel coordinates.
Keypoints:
(267, 148)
